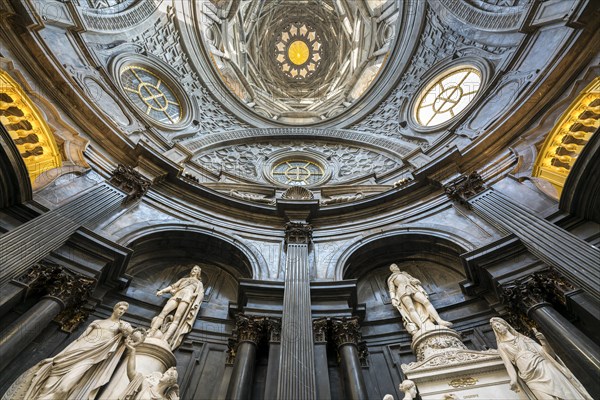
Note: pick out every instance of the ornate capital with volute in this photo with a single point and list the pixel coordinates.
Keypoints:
(320, 330)
(249, 328)
(298, 233)
(38, 275)
(345, 331)
(464, 187)
(536, 289)
(231, 351)
(71, 289)
(130, 181)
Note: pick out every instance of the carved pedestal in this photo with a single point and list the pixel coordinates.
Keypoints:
(427, 343)
(153, 355)
(466, 374)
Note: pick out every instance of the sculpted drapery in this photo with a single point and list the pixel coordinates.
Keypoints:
(545, 376)
(82, 368)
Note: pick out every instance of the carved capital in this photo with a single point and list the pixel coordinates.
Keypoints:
(37, 277)
(346, 331)
(363, 354)
(464, 187)
(320, 330)
(274, 329)
(130, 181)
(537, 288)
(298, 233)
(231, 351)
(554, 285)
(249, 328)
(71, 289)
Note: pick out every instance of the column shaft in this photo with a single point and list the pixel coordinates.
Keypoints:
(579, 353)
(35, 239)
(24, 330)
(354, 382)
(240, 384)
(322, 371)
(297, 365)
(571, 256)
(272, 370)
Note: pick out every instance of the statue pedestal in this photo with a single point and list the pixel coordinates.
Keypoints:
(153, 355)
(428, 342)
(462, 373)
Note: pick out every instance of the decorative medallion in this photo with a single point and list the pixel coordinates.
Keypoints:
(151, 95)
(298, 51)
(447, 95)
(298, 172)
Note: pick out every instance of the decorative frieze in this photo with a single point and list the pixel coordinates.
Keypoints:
(130, 181)
(465, 187)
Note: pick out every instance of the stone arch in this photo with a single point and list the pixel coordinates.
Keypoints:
(244, 261)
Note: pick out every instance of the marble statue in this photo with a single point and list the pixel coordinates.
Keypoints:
(409, 388)
(388, 397)
(181, 309)
(409, 297)
(83, 367)
(545, 376)
(155, 386)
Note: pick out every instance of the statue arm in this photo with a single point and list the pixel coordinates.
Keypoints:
(545, 346)
(392, 290)
(510, 368)
(131, 372)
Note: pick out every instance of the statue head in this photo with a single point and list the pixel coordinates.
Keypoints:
(394, 268)
(501, 327)
(170, 376)
(408, 386)
(388, 397)
(120, 308)
(196, 270)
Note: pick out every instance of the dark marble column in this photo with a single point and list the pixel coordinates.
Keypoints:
(346, 334)
(32, 241)
(320, 326)
(274, 331)
(297, 365)
(580, 354)
(65, 292)
(573, 257)
(248, 333)
(33, 281)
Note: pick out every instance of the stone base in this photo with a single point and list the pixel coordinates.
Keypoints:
(153, 355)
(464, 374)
(430, 341)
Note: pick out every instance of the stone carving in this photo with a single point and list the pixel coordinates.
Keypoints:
(427, 345)
(544, 374)
(155, 386)
(346, 161)
(505, 18)
(409, 388)
(81, 368)
(346, 331)
(298, 233)
(163, 40)
(437, 42)
(257, 198)
(320, 330)
(454, 357)
(297, 193)
(178, 315)
(388, 397)
(464, 187)
(249, 328)
(411, 300)
(274, 329)
(130, 181)
(402, 181)
(39, 275)
(463, 382)
(342, 199)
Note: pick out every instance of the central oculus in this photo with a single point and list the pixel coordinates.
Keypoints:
(298, 52)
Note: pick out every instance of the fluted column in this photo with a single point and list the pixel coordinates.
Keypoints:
(573, 257)
(65, 293)
(274, 332)
(32, 241)
(346, 334)
(531, 296)
(297, 364)
(320, 328)
(248, 332)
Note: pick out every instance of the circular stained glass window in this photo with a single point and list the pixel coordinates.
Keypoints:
(297, 172)
(447, 95)
(298, 51)
(151, 94)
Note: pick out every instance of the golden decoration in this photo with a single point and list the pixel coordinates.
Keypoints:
(28, 128)
(463, 382)
(298, 52)
(569, 136)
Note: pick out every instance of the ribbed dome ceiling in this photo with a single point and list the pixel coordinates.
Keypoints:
(298, 62)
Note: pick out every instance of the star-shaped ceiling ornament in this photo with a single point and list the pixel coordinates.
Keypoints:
(298, 51)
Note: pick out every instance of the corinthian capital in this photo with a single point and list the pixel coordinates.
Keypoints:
(129, 181)
(345, 331)
(464, 187)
